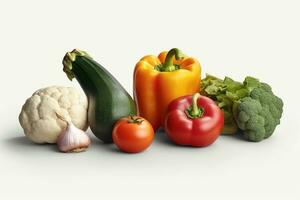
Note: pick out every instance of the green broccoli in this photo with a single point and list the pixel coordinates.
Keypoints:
(259, 114)
(250, 106)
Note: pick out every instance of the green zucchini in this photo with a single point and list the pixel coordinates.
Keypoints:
(108, 100)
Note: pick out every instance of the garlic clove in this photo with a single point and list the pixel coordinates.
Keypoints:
(72, 139)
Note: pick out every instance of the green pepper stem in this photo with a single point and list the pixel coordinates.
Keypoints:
(194, 111)
(168, 64)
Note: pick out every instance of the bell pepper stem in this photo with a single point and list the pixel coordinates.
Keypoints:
(168, 64)
(194, 111)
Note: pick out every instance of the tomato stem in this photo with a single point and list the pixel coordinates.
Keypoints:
(135, 120)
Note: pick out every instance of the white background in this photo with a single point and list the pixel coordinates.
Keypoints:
(234, 38)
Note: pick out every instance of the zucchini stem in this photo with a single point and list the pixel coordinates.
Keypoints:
(69, 58)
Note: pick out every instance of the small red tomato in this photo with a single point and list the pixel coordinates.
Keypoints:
(133, 134)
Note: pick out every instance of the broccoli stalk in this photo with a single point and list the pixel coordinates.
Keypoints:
(230, 126)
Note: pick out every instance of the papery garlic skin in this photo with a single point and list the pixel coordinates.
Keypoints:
(73, 139)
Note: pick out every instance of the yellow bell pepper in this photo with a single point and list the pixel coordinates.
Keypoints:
(159, 80)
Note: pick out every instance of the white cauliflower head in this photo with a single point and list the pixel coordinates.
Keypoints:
(38, 116)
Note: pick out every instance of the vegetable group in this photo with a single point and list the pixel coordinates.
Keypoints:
(159, 80)
(133, 134)
(166, 92)
(108, 100)
(194, 121)
(250, 106)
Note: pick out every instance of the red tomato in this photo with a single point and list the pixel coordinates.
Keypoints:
(133, 134)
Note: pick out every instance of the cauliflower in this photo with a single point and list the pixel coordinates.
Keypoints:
(38, 115)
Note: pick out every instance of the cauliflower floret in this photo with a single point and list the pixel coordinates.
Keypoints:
(38, 115)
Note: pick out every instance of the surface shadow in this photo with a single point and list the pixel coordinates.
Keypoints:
(20, 141)
(108, 147)
(237, 136)
(23, 142)
(162, 138)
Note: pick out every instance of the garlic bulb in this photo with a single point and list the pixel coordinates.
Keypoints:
(72, 139)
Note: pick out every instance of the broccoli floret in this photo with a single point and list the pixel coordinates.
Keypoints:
(259, 114)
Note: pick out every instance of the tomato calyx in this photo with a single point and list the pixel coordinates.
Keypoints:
(194, 111)
(135, 120)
